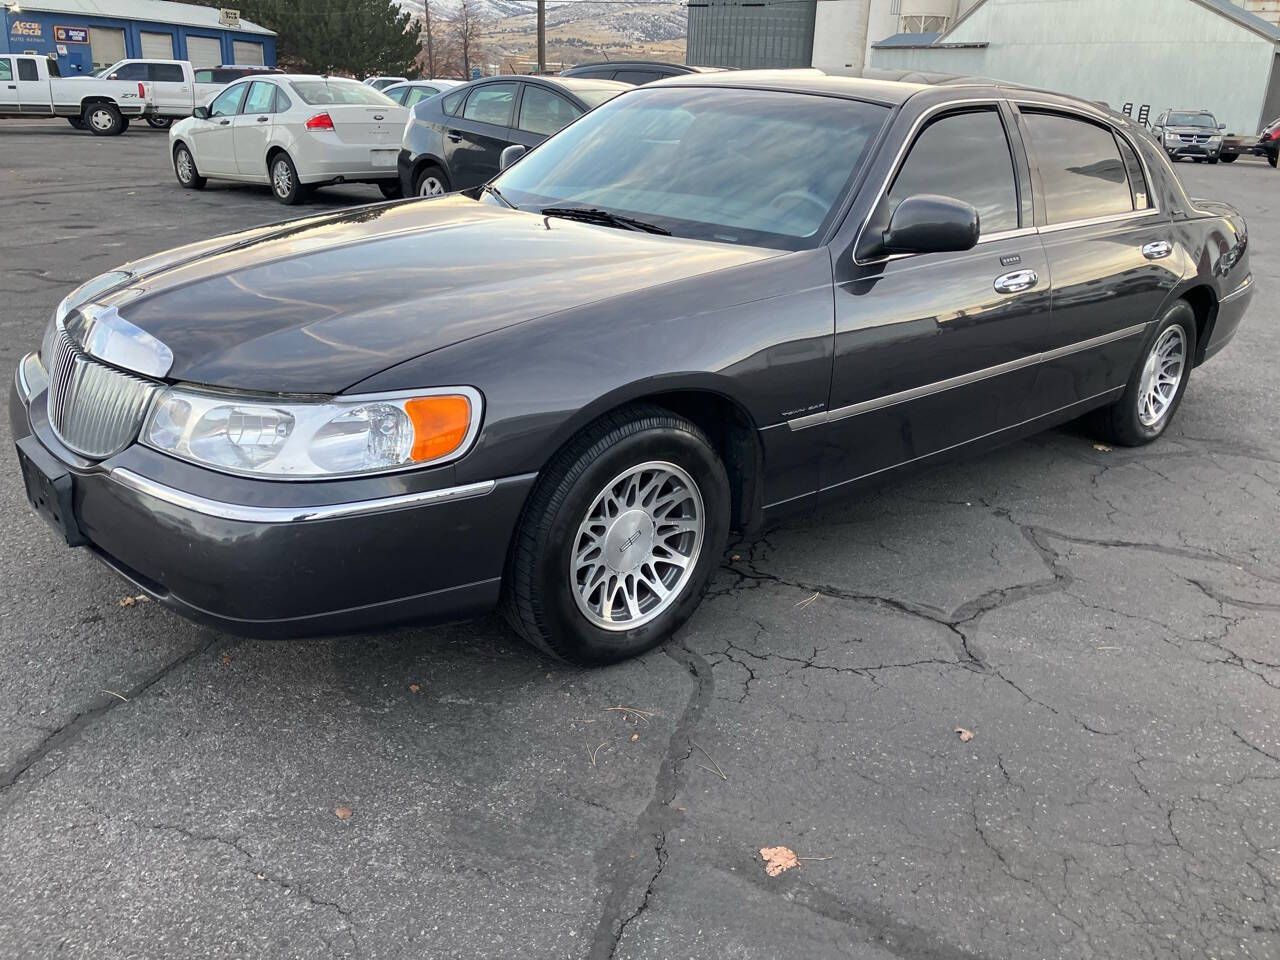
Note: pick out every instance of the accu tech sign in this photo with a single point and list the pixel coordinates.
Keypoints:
(86, 35)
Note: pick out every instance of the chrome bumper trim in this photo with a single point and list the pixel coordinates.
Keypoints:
(1239, 291)
(243, 513)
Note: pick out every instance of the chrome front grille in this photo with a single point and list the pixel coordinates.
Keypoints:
(96, 410)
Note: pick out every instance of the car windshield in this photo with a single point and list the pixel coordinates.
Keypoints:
(323, 93)
(1190, 120)
(754, 167)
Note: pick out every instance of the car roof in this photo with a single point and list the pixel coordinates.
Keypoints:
(569, 84)
(631, 64)
(423, 83)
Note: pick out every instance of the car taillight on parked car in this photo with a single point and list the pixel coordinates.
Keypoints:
(321, 121)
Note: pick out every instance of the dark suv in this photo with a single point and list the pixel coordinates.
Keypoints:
(454, 142)
(634, 72)
(1190, 134)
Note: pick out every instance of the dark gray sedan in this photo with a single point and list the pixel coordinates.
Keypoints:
(710, 303)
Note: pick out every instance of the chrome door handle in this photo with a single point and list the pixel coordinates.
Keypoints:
(264, 119)
(1157, 250)
(1017, 281)
(455, 136)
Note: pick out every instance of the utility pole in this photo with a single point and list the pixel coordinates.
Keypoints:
(542, 36)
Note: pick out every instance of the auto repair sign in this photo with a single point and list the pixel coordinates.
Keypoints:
(26, 30)
(71, 34)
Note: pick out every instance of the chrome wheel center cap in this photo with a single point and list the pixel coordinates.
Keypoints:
(629, 541)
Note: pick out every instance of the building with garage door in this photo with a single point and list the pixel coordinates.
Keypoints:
(87, 35)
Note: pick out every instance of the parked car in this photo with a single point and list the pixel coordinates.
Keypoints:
(1266, 144)
(31, 86)
(381, 83)
(634, 72)
(1269, 142)
(227, 72)
(411, 91)
(455, 141)
(1190, 134)
(708, 303)
(294, 132)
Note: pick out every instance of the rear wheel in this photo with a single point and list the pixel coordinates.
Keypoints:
(1272, 157)
(1157, 384)
(184, 166)
(160, 123)
(1213, 160)
(284, 180)
(619, 539)
(1230, 157)
(431, 182)
(103, 120)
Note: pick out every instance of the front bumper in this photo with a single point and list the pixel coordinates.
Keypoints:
(1204, 150)
(272, 559)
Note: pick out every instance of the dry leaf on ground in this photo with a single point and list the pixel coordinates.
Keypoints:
(965, 735)
(343, 813)
(415, 688)
(131, 601)
(778, 859)
(1102, 448)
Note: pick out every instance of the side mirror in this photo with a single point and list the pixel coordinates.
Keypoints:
(928, 223)
(200, 113)
(511, 154)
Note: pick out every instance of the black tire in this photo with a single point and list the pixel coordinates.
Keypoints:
(1273, 157)
(390, 189)
(425, 175)
(124, 124)
(77, 123)
(1230, 157)
(539, 588)
(1120, 423)
(284, 180)
(103, 120)
(1213, 161)
(187, 172)
(159, 123)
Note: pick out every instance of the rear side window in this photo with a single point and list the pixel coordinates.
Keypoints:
(1082, 173)
(54, 69)
(283, 102)
(544, 112)
(418, 94)
(1137, 179)
(397, 95)
(964, 156)
(27, 70)
(601, 74)
(491, 103)
(6, 69)
(228, 101)
(166, 73)
(637, 77)
(261, 98)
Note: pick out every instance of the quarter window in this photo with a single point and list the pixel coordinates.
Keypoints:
(261, 98)
(964, 156)
(27, 70)
(451, 103)
(1081, 171)
(167, 73)
(1137, 179)
(544, 112)
(491, 103)
(228, 101)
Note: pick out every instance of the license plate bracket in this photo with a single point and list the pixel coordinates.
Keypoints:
(50, 488)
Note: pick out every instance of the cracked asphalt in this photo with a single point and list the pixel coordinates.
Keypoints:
(1107, 623)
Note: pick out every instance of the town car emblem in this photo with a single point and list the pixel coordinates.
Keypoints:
(630, 542)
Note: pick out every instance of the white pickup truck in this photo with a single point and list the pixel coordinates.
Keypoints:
(158, 91)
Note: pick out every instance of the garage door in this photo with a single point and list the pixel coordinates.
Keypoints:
(247, 52)
(751, 34)
(107, 46)
(157, 46)
(204, 52)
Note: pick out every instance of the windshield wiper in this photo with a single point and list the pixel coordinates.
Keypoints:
(605, 218)
(490, 188)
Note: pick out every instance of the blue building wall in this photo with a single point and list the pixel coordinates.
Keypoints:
(35, 30)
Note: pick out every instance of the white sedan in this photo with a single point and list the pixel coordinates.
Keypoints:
(292, 132)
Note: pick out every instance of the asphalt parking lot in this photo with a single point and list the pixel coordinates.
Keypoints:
(1105, 622)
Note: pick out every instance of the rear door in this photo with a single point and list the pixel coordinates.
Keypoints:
(251, 128)
(475, 138)
(541, 113)
(33, 89)
(1111, 251)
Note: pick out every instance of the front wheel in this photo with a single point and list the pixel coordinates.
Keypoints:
(284, 181)
(431, 182)
(1156, 386)
(184, 166)
(77, 123)
(1273, 157)
(103, 120)
(620, 538)
(1230, 157)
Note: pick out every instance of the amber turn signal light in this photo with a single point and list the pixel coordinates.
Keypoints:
(440, 425)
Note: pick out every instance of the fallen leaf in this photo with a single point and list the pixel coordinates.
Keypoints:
(735, 558)
(226, 659)
(131, 601)
(635, 737)
(965, 735)
(343, 813)
(1102, 448)
(415, 688)
(778, 859)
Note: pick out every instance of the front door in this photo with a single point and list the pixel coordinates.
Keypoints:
(213, 139)
(476, 137)
(935, 350)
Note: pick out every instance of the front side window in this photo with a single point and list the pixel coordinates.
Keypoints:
(132, 71)
(261, 98)
(228, 101)
(27, 70)
(1082, 173)
(964, 156)
(755, 167)
(6, 68)
(544, 112)
(491, 103)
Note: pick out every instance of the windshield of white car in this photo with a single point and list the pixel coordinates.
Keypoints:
(1190, 120)
(753, 167)
(325, 93)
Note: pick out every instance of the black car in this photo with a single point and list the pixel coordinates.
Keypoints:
(231, 72)
(455, 141)
(634, 72)
(707, 304)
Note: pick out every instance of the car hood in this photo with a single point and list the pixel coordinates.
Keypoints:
(317, 305)
(1199, 131)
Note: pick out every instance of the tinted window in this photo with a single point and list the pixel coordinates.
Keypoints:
(228, 101)
(332, 92)
(54, 69)
(1081, 172)
(27, 70)
(544, 112)
(604, 73)
(204, 76)
(637, 76)
(261, 98)
(166, 73)
(1137, 179)
(131, 71)
(451, 103)
(756, 167)
(491, 103)
(965, 156)
(6, 69)
(396, 95)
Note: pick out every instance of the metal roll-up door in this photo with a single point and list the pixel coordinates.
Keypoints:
(107, 46)
(157, 46)
(773, 34)
(204, 52)
(247, 52)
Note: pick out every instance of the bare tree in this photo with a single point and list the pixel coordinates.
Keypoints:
(466, 27)
(429, 49)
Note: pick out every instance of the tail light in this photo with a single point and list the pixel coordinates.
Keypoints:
(142, 92)
(321, 121)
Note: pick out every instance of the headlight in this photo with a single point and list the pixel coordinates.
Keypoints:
(87, 291)
(345, 436)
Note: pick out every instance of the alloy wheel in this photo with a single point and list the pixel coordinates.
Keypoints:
(638, 545)
(1162, 375)
(185, 169)
(281, 178)
(430, 187)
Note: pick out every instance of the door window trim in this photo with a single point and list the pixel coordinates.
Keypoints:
(515, 103)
